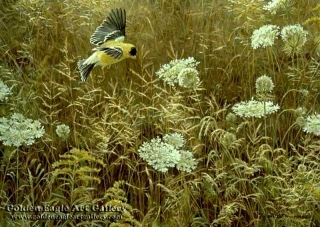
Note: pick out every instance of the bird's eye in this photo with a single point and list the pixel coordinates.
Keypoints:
(133, 51)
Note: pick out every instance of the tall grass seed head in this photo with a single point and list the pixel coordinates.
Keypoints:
(255, 108)
(294, 37)
(264, 36)
(264, 84)
(174, 139)
(160, 155)
(312, 124)
(18, 130)
(169, 72)
(187, 162)
(63, 131)
(5, 91)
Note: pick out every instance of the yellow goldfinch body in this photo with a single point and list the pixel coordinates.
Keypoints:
(108, 36)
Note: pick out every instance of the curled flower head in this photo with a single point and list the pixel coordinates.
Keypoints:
(18, 130)
(174, 139)
(255, 108)
(231, 119)
(300, 111)
(304, 92)
(169, 72)
(4, 91)
(63, 131)
(187, 162)
(301, 122)
(264, 84)
(312, 124)
(160, 155)
(294, 37)
(275, 5)
(228, 138)
(264, 36)
(188, 78)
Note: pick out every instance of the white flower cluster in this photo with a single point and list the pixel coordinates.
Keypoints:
(264, 36)
(264, 84)
(63, 131)
(4, 91)
(188, 78)
(187, 162)
(255, 108)
(174, 139)
(294, 38)
(18, 130)
(228, 138)
(312, 124)
(274, 5)
(164, 153)
(180, 71)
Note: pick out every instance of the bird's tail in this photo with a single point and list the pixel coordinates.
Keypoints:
(84, 69)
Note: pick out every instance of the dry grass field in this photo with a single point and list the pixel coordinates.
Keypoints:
(216, 123)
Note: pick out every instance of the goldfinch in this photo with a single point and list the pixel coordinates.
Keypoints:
(108, 37)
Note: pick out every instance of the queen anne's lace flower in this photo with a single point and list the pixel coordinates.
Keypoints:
(228, 138)
(294, 37)
(312, 124)
(264, 84)
(187, 162)
(274, 5)
(18, 130)
(4, 91)
(264, 36)
(166, 153)
(175, 139)
(254, 108)
(188, 78)
(160, 155)
(63, 131)
(169, 72)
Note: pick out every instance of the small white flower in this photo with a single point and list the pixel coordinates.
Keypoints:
(264, 36)
(300, 111)
(188, 78)
(228, 138)
(312, 124)
(187, 162)
(301, 122)
(294, 37)
(18, 130)
(160, 155)
(169, 72)
(264, 84)
(5, 91)
(63, 131)
(254, 108)
(175, 139)
(274, 5)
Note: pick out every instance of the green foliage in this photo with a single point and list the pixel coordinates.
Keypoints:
(251, 171)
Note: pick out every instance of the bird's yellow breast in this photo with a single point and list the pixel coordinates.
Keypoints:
(106, 60)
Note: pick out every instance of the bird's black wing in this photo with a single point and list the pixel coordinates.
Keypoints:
(115, 52)
(112, 28)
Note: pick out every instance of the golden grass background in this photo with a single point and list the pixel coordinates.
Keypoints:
(256, 180)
